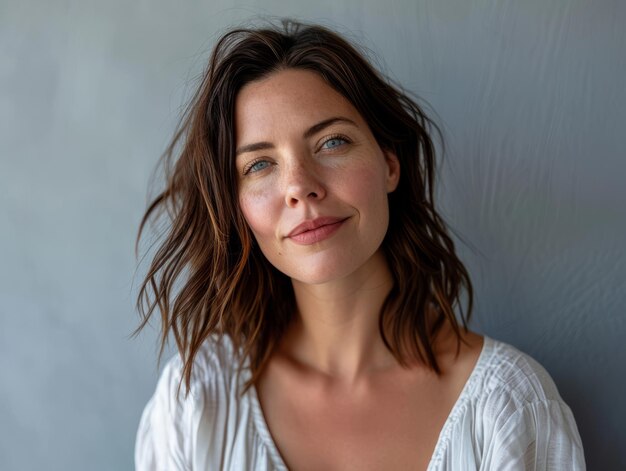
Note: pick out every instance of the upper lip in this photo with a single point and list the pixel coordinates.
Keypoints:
(311, 224)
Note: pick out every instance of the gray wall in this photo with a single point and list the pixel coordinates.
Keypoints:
(532, 99)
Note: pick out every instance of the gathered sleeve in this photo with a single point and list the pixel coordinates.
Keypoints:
(542, 435)
(160, 443)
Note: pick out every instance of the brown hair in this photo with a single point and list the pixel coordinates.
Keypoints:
(225, 284)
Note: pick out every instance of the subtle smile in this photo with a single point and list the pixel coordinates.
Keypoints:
(317, 230)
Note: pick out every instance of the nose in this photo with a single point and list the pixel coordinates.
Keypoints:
(302, 184)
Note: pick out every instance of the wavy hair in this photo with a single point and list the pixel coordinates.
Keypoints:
(208, 277)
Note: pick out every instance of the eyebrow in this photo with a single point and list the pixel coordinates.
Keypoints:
(308, 133)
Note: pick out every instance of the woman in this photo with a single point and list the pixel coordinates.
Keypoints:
(310, 284)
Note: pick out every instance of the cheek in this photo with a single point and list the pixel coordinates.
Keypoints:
(258, 212)
(366, 187)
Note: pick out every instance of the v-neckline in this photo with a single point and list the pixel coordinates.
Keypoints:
(278, 462)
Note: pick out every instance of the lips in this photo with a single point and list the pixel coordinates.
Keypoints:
(316, 230)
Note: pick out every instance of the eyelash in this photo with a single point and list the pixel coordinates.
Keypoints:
(333, 137)
(248, 168)
(339, 137)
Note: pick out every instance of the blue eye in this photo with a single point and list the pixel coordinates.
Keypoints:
(338, 140)
(257, 166)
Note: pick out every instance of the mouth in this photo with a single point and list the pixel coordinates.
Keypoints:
(311, 232)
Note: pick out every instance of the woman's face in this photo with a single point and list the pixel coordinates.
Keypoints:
(312, 180)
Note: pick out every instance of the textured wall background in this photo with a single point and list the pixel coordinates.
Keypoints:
(532, 99)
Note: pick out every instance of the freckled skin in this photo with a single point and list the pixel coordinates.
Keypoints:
(304, 178)
(332, 394)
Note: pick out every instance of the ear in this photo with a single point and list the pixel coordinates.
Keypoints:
(392, 176)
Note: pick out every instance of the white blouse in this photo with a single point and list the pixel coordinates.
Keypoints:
(509, 416)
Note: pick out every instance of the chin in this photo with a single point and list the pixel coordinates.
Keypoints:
(315, 272)
(319, 275)
(312, 278)
(329, 266)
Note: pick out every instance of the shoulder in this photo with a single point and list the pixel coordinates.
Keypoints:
(509, 372)
(508, 382)
(213, 363)
(520, 414)
(172, 418)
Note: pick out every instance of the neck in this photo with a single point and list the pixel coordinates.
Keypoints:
(335, 332)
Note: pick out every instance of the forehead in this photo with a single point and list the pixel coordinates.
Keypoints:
(288, 100)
